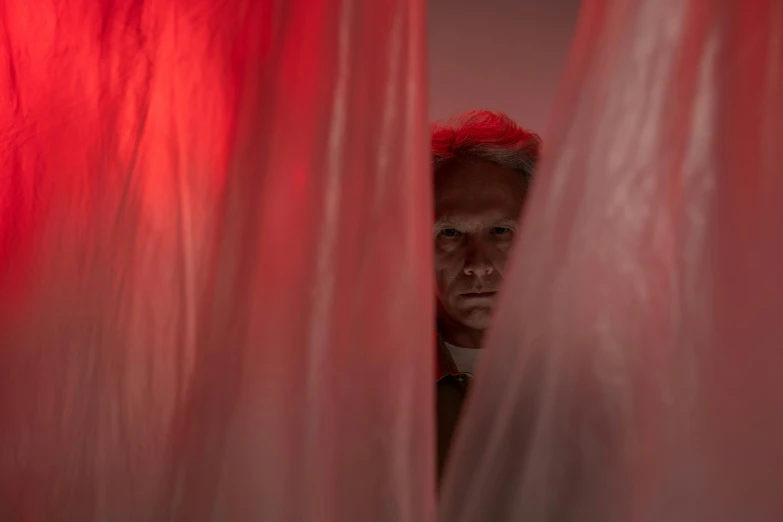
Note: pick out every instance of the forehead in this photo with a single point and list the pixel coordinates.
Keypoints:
(478, 187)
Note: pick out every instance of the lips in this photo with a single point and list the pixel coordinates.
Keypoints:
(478, 295)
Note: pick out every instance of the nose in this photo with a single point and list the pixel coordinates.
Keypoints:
(477, 262)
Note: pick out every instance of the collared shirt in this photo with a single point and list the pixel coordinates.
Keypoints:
(464, 359)
(452, 387)
(462, 367)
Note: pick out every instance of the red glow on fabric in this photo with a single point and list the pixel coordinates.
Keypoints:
(190, 204)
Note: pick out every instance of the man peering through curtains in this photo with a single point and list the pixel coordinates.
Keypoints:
(483, 165)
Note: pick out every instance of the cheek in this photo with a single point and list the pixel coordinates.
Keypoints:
(502, 252)
(447, 266)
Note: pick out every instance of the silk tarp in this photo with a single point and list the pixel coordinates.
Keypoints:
(633, 370)
(200, 205)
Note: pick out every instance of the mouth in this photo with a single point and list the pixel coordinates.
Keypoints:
(478, 295)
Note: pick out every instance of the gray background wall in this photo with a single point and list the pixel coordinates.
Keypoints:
(504, 55)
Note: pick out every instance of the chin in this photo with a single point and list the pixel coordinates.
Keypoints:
(477, 319)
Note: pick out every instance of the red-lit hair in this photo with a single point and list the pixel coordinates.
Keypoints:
(489, 136)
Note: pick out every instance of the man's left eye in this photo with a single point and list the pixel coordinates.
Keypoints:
(449, 232)
(500, 231)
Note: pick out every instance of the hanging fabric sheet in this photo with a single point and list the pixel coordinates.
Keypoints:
(633, 370)
(200, 205)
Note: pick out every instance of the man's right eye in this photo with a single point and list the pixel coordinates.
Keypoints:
(449, 232)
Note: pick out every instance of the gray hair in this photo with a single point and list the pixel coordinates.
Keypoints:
(489, 136)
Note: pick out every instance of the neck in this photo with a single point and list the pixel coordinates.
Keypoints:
(458, 334)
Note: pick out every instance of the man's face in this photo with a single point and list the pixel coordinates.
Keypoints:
(477, 205)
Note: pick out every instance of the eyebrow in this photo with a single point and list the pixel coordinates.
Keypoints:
(446, 223)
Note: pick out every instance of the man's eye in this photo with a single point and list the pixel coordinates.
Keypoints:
(500, 231)
(449, 232)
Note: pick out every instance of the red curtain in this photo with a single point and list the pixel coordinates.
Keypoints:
(633, 371)
(215, 273)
